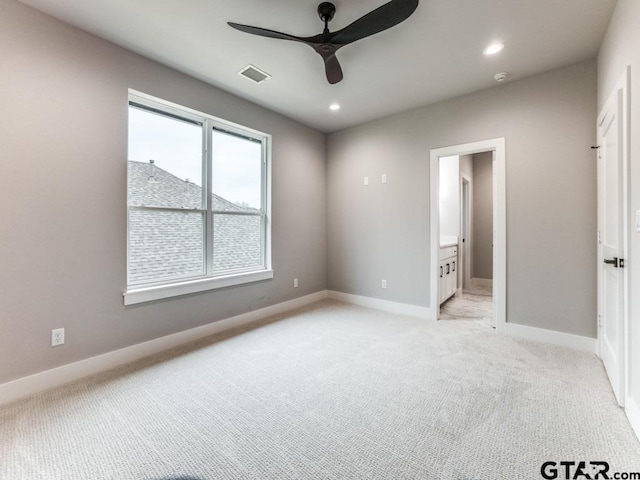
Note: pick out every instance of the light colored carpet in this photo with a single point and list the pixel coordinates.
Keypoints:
(329, 392)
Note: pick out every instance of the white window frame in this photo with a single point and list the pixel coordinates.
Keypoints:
(210, 280)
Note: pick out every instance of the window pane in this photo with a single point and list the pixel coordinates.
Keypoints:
(165, 161)
(237, 241)
(165, 245)
(236, 171)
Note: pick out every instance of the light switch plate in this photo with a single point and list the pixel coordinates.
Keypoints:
(637, 220)
(365, 181)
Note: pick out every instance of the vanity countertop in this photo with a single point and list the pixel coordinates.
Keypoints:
(448, 241)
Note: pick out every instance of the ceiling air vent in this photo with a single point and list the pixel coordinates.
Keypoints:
(254, 74)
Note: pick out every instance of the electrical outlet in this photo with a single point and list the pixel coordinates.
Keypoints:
(57, 337)
(384, 178)
(295, 283)
(384, 284)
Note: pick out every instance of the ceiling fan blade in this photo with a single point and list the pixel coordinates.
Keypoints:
(333, 69)
(376, 21)
(263, 32)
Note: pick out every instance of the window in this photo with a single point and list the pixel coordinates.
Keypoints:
(197, 200)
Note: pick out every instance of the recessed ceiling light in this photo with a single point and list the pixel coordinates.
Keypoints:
(334, 107)
(493, 48)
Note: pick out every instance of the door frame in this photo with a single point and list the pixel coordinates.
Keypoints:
(497, 146)
(619, 94)
(465, 224)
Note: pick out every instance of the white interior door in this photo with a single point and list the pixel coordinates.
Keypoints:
(611, 239)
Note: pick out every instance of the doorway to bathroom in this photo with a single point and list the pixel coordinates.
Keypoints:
(466, 231)
(468, 246)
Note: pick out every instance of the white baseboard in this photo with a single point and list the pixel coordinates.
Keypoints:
(384, 305)
(552, 337)
(578, 342)
(633, 414)
(23, 387)
(482, 282)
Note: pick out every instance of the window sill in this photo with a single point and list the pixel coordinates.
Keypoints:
(149, 294)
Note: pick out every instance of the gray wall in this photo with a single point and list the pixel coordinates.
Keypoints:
(383, 231)
(466, 166)
(483, 215)
(63, 125)
(619, 49)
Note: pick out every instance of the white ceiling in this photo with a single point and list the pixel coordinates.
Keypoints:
(434, 55)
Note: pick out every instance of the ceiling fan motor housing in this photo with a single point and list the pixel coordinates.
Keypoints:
(326, 10)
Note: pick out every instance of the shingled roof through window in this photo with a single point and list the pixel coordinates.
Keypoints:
(167, 245)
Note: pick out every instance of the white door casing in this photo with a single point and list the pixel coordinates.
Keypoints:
(612, 236)
(494, 237)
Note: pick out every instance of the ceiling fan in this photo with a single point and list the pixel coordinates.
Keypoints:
(328, 43)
